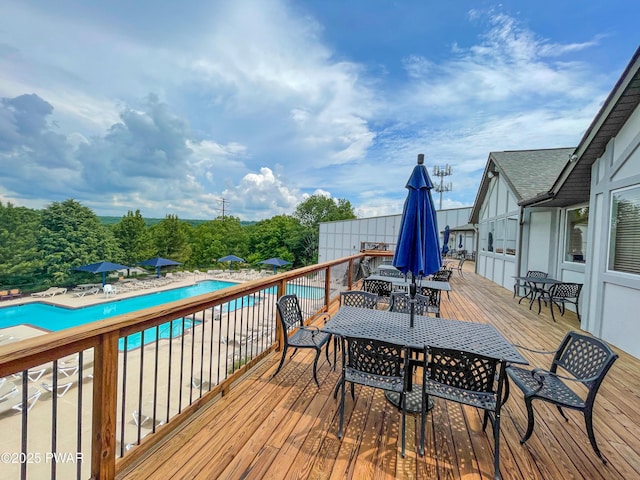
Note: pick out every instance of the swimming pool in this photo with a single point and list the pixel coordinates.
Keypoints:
(55, 318)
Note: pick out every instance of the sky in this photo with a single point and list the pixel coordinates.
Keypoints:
(187, 107)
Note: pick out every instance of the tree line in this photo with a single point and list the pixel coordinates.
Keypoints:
(40, 248)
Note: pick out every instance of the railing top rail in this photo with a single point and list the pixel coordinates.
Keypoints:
(33, 351)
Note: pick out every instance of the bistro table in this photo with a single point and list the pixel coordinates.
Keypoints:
(393, 327)
(536, 285)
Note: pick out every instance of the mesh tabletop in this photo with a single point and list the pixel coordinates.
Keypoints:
(401, 282)
(393, 327)
(540, 280)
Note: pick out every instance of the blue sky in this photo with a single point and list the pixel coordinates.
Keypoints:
(169, 107)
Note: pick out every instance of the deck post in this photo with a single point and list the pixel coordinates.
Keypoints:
(105, 381)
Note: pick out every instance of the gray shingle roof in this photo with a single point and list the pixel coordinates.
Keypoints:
(531, 172)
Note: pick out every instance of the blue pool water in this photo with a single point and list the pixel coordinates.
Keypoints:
(165, 331)
(54, 318)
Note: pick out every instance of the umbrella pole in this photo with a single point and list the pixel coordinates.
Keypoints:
(412, 299)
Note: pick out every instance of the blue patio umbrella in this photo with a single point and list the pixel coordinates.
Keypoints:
(460, 241)
(418, 247)
(101, 267)
(276, 262)
(445, 241)
(231, 259)
(158, 262)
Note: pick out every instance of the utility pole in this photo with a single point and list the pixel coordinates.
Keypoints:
(224, 202)
(442, 171)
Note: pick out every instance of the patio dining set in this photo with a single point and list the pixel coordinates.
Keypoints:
(417, 357)
(538, 286)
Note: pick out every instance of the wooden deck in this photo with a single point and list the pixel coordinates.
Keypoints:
(285, 427)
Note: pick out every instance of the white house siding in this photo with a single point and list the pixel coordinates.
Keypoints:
(499, 206)
(343, 238)
(613, 297)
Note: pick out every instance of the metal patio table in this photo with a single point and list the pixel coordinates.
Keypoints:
(393, 327)
(534, 288)
(401, 282)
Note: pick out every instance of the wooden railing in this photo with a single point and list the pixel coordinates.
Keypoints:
(146, 372)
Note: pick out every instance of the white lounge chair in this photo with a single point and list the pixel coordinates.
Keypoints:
(146, 415)
(33, 374)
(7, 389)
(9, 405)
(61, 388)
(50, 292)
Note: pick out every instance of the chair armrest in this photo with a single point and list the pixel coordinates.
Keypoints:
(539, 374)
(310, 328)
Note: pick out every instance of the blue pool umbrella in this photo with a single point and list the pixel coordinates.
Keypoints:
(418, 246)
(158, 262)
(445, 241)
(231, 259)
(101, 267)
(460, 241)
(276, 262)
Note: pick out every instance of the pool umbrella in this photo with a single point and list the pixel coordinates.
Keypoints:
(158, 262)
(418, 246)
(460, 241)
(101, 267)
(231, 259)
(445, 241)
(276, 262)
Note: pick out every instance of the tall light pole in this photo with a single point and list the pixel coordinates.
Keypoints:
(442, 171)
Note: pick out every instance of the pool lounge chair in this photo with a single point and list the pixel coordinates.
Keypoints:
(7, 389)
(33, 374)
(50, 292)
(10, 405)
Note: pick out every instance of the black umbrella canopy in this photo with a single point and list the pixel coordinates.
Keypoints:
(101, 267)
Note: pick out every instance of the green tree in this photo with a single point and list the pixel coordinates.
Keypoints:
(318, 208)
(312, 211)
(275, 237)
(217, 238)
(133, 238)
(171, 239)
(71, 235)
(18, 245)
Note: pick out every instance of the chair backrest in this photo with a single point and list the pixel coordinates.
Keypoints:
(364, 268)
(387, 272)
(290, 314)
(432, 294)
(381, 288)
(584, 357)
(537, 274)
(442, 276)
(358, 298)
(464, 371)
(370, 356)
(400, 302)
(565, 290)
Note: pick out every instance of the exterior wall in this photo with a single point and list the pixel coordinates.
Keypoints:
(343, 238)
(612, 298)
(497, 251)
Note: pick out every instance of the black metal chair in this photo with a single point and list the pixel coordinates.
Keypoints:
(400, 302)
(358, 298)
(466, 378)
(374, 364)
(560, 294)
(303, 336)
(586, 361)
(526, 286)
(459, 266)
(381, 288)
(442, 275)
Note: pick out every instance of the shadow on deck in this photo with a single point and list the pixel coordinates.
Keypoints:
(285, 427)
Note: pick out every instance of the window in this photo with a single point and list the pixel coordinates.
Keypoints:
(576, 235)
(499, 242)
(512, 234)
(624, 244)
